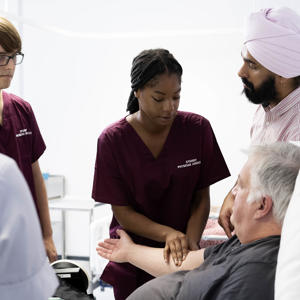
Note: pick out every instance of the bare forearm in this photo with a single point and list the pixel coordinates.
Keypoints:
(43, 211)
(197, 224)
(151, 260)
(199, 216)
(42, 202)
(140, 225)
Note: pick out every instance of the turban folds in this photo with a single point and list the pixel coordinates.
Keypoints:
(273, 39)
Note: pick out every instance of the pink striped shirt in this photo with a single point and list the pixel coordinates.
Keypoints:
(280, 123)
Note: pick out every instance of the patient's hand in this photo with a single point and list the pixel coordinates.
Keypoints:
(115, 249)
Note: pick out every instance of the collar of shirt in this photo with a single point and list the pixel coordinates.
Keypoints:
(283, 106)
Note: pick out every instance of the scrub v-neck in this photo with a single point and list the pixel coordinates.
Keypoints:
(145, 148)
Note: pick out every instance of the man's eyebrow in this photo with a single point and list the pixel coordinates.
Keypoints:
(247, 60)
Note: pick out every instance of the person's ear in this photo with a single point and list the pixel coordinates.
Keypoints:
(264, 207)
(137, 93)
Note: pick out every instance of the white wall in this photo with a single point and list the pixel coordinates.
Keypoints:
(77, 63)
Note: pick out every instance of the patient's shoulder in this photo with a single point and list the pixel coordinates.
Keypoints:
(261, 251)
(219, 249)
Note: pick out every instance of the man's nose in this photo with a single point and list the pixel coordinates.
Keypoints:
(243, 71)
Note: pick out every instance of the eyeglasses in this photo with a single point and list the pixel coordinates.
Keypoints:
(16, 58)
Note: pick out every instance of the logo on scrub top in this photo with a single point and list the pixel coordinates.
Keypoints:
(23, 132)
(190, 163)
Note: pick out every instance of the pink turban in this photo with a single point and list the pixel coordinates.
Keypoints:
(273, 39)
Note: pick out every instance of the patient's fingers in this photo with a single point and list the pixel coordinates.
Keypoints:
(109, 243)
(103, 253)
(106, 245)
(103, 250)
(112, 241)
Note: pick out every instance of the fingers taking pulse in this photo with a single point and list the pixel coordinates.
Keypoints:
(177, 247)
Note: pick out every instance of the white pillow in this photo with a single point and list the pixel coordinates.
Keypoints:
(287, 281)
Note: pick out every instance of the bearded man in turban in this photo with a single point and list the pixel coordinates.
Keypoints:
(271, 78)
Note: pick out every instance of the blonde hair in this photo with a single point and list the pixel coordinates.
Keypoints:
(10, 39)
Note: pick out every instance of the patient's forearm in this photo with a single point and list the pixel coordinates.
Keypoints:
(151, 260)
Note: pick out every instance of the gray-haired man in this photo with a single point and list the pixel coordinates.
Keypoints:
(242, 267)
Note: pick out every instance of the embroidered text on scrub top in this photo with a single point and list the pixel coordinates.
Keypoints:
(23, 132)
(189, 163)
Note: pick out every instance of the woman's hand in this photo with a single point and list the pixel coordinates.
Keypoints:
(50, 249)
(177, 246)
(193, 245)
(115, 249)
(225, 214)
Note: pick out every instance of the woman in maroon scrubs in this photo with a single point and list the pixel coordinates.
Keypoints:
(154, 167)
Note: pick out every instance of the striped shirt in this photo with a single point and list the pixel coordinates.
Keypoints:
(280, 123)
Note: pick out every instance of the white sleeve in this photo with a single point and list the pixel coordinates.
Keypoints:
(288, 265)
(24, 269)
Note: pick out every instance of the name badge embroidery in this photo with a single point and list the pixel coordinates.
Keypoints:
(23, 132)
(190, 163)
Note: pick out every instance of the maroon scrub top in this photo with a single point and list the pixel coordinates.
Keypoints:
(162, 188)
(20, 137)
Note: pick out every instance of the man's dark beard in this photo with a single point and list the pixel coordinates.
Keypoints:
(264, 94)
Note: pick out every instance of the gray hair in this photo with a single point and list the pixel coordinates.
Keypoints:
(274, 173)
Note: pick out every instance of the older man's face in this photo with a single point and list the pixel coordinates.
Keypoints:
(242, 211)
